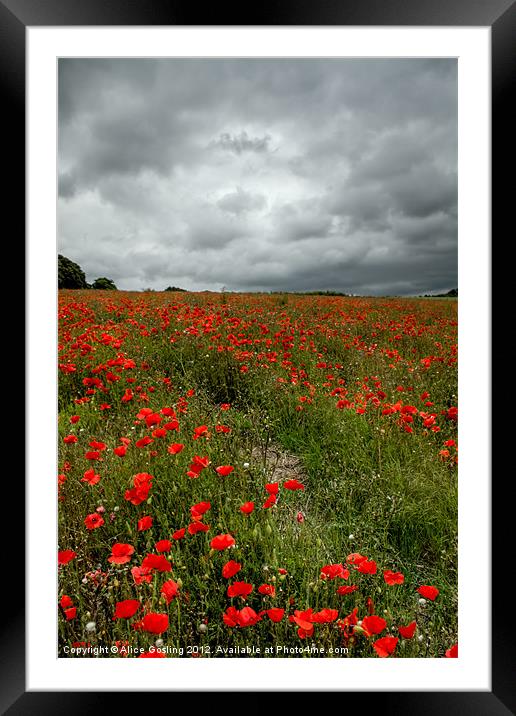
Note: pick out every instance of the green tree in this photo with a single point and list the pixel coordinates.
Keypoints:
(105, 284)
(70, 274)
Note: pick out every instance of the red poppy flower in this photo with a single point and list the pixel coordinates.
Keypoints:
(70, 439)
(154, 623)
(169, 590)
(303, 619)
(428, 592)
(92, 455)
(267, 589)
(239, 589)
(141, 574)
(164, 545)
(93, 521)
(126, 609)
(74, 419)
(275, 614)
(349, 620)
(200, 432)
(152, 419)
(393, 577)
(65, 601)
(153, 654)
(272, 488)
(143, 413)
(385, 646)
(221, 542)
(195, 527)
(120, 450)
(325, 616)
(373, 625)
(347, 589)
(144, 523)
(224, 470)
(408, 631)
(200, 508)
(293, 485)
(452, 652)
(90, 477)
(305, 633)
(121, 553)
(143, 442)
(96, 445)
(179, 534)
(159, 433)
(225, 406)
(157, 562)
(247, 617)
(222, 429)
(247, 508)
(230, 617)
(175, 448)
(332, 571)
(230, 569)
(70, 613)
(269, 502)
(355, 558)
(368, 566)
(65, 556)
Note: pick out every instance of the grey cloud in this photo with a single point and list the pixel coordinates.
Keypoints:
(240, 143)
(240, 201)
(66, 185)
(344, 173)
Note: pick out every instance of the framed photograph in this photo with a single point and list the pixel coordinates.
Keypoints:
(258, 255)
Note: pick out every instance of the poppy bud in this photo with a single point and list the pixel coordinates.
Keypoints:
(202, 628)
(268, 529)
(179, 582)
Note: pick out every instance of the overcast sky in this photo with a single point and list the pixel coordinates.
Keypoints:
(260, 174)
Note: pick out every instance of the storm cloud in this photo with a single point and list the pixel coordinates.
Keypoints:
(260, 174)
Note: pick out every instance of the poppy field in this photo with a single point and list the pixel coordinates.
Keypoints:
(256, 475)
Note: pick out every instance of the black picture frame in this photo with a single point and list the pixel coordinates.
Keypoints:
(500, 16)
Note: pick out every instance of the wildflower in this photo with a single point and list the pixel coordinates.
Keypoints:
(93, 521)
(224, 470)
(385, 646)
(373, 625)
(452, 652)
(230, 569)
(121, 553)
(169, 590)
(221, 542)
(408, 631)
(391, 578)
(65, 556)
(428, 592)
(144, 523)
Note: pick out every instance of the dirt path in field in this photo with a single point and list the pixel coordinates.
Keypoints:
(279, 464)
